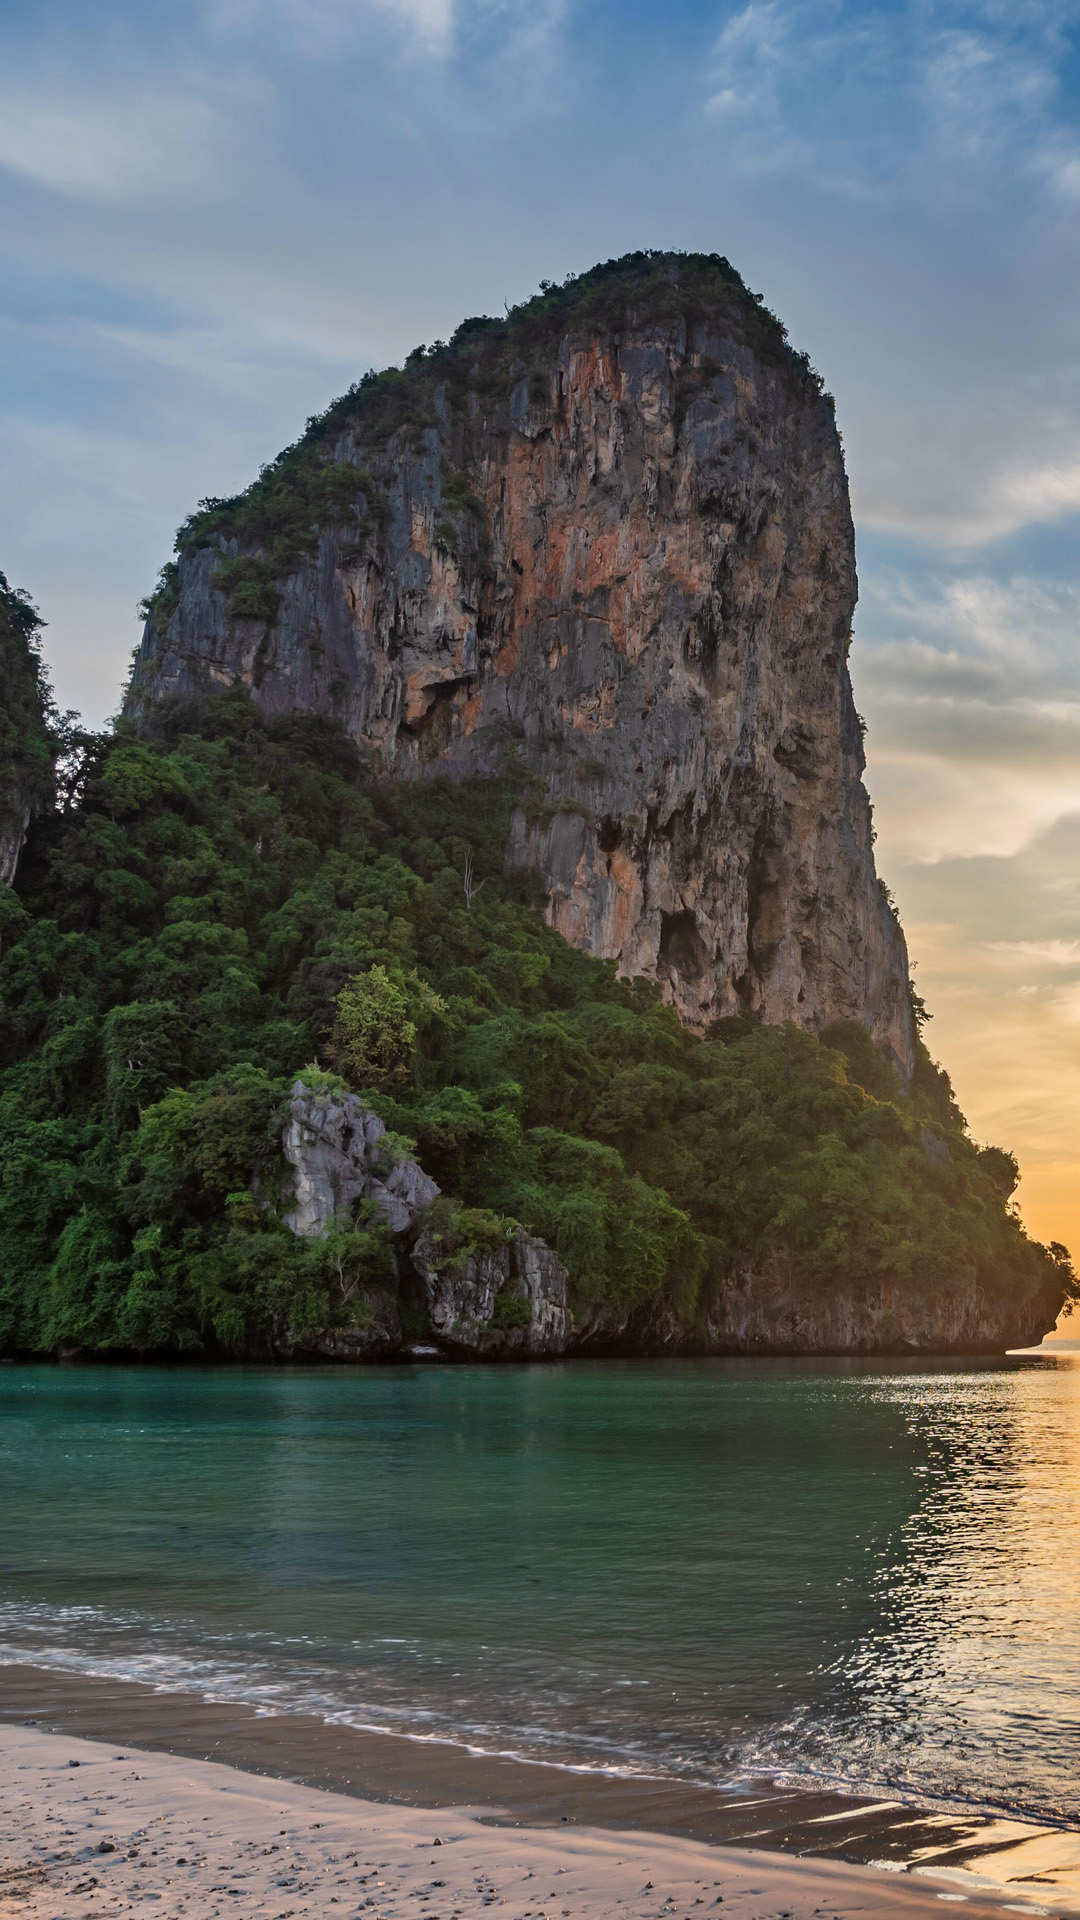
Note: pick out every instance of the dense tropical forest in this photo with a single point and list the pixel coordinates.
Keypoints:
(218, 902)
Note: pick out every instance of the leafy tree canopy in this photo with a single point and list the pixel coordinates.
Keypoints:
(226, 901)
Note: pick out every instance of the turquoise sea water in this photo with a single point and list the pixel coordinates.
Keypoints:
(867, 1573)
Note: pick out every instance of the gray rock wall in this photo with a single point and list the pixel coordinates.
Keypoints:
(765, 1309)
(338, 1153)
(509, 1304)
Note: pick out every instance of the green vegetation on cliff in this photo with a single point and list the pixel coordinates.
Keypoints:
(228, 901)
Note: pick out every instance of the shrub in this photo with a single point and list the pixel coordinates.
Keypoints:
(375, 1025)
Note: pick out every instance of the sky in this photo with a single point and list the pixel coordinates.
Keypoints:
(216, 214)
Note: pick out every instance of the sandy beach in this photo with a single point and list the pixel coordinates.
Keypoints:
(90, 1831)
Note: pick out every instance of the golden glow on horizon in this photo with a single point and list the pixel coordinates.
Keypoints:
(1009, 1034)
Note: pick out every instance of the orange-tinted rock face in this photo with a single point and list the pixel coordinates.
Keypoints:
(645, 607)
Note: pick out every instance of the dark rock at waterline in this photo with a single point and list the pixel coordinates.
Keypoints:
(513, 1301)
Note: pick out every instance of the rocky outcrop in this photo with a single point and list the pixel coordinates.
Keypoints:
(767, 1309)
(511, 1299)
(607, 545)
(510, 1303)
(339, 1154)
(763, 1311)
(378, 1335)
(507, 1301)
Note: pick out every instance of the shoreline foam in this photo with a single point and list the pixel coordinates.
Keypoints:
(387, 1779)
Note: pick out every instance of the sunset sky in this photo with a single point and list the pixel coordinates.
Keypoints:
(218, 213)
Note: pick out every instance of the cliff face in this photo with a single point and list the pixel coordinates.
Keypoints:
(13, 827)
(769, 1309)
(606, 545)
(335, 1149)
(28, 748)
(508, 1304)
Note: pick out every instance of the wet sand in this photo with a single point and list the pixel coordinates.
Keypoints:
(379, 1792)
(88, 1832)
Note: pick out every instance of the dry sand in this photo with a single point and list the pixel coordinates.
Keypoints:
(87, 1830)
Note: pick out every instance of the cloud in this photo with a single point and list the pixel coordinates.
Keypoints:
(1013, 636)
(1006, 1013)
(749, 51)
(960, 457)
(930, 809)
(430, 19)
(1046, 953)
(987, 96)
(972, 688)
(430, 30)
(871, 100)
(318, 26)
(1036, 493)
(128, 147)
(1067, 1002)
(942, 142)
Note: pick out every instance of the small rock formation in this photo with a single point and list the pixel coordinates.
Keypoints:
(378, 1336)
(335, 1147)
(510, 1303)
(606, 544)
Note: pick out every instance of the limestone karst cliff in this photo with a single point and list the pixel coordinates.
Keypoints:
(604, 545)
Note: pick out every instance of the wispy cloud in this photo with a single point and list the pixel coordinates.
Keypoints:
(423, 26)
(426, 30)
(1040, 953)
(972, 686)
(878, 97)
(136, 145)
(1067, 1003)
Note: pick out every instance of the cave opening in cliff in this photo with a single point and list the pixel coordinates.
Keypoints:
(683, 952)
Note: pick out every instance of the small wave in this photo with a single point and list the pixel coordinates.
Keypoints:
(779, 1755)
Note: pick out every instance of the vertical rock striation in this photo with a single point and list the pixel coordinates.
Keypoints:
(606, 545)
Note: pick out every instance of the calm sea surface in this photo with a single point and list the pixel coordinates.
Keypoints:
(866, 1573)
